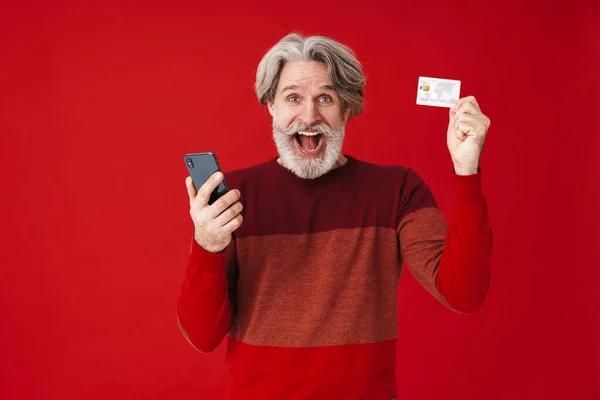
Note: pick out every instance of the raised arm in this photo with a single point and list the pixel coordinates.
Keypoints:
(452, 262)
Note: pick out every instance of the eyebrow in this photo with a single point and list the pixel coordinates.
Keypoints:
(296, 87)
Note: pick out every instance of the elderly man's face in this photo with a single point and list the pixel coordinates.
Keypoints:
(308, 119)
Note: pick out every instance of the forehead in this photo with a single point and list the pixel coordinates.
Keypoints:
(305, 74)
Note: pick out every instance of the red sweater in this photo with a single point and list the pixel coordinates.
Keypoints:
(307, 291)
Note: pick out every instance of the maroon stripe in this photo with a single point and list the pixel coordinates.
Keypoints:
(359, 194)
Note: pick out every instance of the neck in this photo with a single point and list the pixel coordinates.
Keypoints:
(341, 161)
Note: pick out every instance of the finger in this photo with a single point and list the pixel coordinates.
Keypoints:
(232, 225)
(452, 113)
(464, 117)
(468, 108)
(458, 118)
(190, 189)
(463, 101)
(456, 106)
(208, 187)
(479, 123)
(464, 128)
(223, 203)
(229, 214)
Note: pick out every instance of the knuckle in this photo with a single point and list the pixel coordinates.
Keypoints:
(208, 187)
(221, 203)
(229, 214)
(196, 214)
(210, 229)
(228, 200)
(233, 196)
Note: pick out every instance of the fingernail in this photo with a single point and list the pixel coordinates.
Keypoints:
(217, 176)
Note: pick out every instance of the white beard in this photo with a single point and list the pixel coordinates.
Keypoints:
(305, 167)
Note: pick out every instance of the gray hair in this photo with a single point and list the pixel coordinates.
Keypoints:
(344, 69)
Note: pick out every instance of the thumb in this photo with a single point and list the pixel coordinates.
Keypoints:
(452, 113)
(190, 189)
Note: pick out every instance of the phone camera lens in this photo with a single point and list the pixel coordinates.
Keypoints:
(189, 162)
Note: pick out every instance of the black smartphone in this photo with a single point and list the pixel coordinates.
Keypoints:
(201, 166)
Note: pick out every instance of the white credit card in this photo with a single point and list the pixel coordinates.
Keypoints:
(437, 92)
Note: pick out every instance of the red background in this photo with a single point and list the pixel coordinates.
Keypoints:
(99, 102)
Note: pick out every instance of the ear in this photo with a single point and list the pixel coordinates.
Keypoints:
(271, 107)
(347, 114)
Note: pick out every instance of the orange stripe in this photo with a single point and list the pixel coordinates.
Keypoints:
(422, 236)
(328, 288)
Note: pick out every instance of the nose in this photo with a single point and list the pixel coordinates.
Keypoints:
(309, 114)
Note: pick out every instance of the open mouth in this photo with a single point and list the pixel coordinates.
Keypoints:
(309, 142)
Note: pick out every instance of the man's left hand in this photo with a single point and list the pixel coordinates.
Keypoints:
(466, 134)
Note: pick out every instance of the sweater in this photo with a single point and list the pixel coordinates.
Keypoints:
(306, 293)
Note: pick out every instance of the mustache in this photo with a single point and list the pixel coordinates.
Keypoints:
(294, 128)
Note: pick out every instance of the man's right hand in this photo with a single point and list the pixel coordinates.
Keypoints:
(214, 224)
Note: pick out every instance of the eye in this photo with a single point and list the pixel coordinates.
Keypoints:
(293, 99)
(325, 100)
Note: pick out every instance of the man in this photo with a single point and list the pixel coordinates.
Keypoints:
(306, 289)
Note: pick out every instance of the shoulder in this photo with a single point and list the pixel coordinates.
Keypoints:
(404, 181)
(399, 174)
(241, 176)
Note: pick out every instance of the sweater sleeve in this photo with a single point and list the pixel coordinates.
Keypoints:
(450, 260)
(463, 276)
(205, 307)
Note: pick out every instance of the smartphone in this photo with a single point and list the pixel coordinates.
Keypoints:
(201, 166)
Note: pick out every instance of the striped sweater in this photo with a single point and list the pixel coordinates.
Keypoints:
(307, 291)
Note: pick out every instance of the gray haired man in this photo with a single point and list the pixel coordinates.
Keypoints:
(306, 289)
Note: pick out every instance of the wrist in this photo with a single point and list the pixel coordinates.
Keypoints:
(214, 248)
(465, 171)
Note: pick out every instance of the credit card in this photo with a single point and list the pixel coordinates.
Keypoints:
(437, 92)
